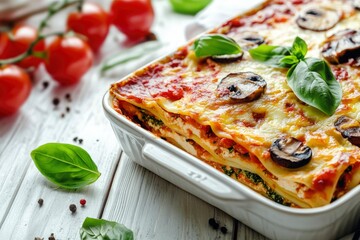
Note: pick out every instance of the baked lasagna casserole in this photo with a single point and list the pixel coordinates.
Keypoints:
(285, 125)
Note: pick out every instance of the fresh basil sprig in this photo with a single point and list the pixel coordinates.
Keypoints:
(270, 55)
(96, 229)
(311, 79)
(215, 45)
(65, 165)
(313, 83)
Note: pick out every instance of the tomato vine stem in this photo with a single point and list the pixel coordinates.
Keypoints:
(53, 9)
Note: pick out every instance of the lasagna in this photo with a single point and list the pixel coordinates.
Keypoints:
(240, 115)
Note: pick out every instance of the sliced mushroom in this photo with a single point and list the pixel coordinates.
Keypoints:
(318, 18)
(290, 152)
(349, 129)
(241, 87)
(342, 46)
(248, 39)
(227, 58)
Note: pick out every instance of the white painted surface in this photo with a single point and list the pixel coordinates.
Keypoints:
(125, 192)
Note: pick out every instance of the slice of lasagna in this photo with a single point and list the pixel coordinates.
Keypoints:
(241, 117)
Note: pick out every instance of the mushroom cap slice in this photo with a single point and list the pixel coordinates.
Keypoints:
(241, 87)
(318, 18)
(349, 129)
(248, 39)
(290, 152)
(342, 46)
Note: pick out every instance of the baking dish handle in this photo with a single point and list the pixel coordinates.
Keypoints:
(194, 174)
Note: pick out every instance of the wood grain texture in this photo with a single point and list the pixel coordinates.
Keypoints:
(156, 209)
(245, 232)
(24, 185)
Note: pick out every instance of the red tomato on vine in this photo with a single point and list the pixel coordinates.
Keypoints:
(15, 88)
(133, 18)
(92, 22)
(17, 41)
(68, 59)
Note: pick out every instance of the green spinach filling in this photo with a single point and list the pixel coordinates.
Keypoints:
(256, 179)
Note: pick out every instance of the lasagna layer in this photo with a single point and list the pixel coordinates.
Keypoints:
(175, 98)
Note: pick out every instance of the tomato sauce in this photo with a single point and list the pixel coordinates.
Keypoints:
(279, 12)
(324, 179)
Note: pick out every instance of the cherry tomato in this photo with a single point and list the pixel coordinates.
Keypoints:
(17, 41)
(68, 59)
(132, 17)
(15, 88)
(92, 22)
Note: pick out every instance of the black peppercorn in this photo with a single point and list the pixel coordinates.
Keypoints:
(213, 223)
(223, 230)
(52, 237)
(68, 97)
(56, 101)
(45, 84)
(216, 226)
(40, 202)
(72, 208)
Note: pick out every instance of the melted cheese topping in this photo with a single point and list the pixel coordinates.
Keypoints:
(183, 85)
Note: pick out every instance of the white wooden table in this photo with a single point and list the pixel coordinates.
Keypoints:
(125, 192)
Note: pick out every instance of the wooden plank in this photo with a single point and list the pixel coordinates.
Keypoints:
(245, 232)
(156, 209)
(22, 184)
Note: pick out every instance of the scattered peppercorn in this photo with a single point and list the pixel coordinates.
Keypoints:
(213, 223)
(40, 202)
(82, 202)
(56, 102)
(62, 115)
(38, 238)
(216, 226)
(52, 237)
(75, 139)
(223, 230)
(72, 208)
(67, 109)
(68, 97)
(81, 141)
(45, 84)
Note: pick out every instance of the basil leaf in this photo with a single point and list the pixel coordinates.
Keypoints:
(288, 61)
(270, 55)
(189, 6)
(299, 48)
(98, 229)
(65, 165)
(313, 83)
(215, 45)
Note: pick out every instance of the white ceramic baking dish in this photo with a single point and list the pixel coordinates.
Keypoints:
(263, 215)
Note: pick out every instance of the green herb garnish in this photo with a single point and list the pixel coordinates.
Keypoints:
(270, 55)
(97, 229)
(215, 45)
(151, 119)
(65, 165)
(227, 171)
(311, 79)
